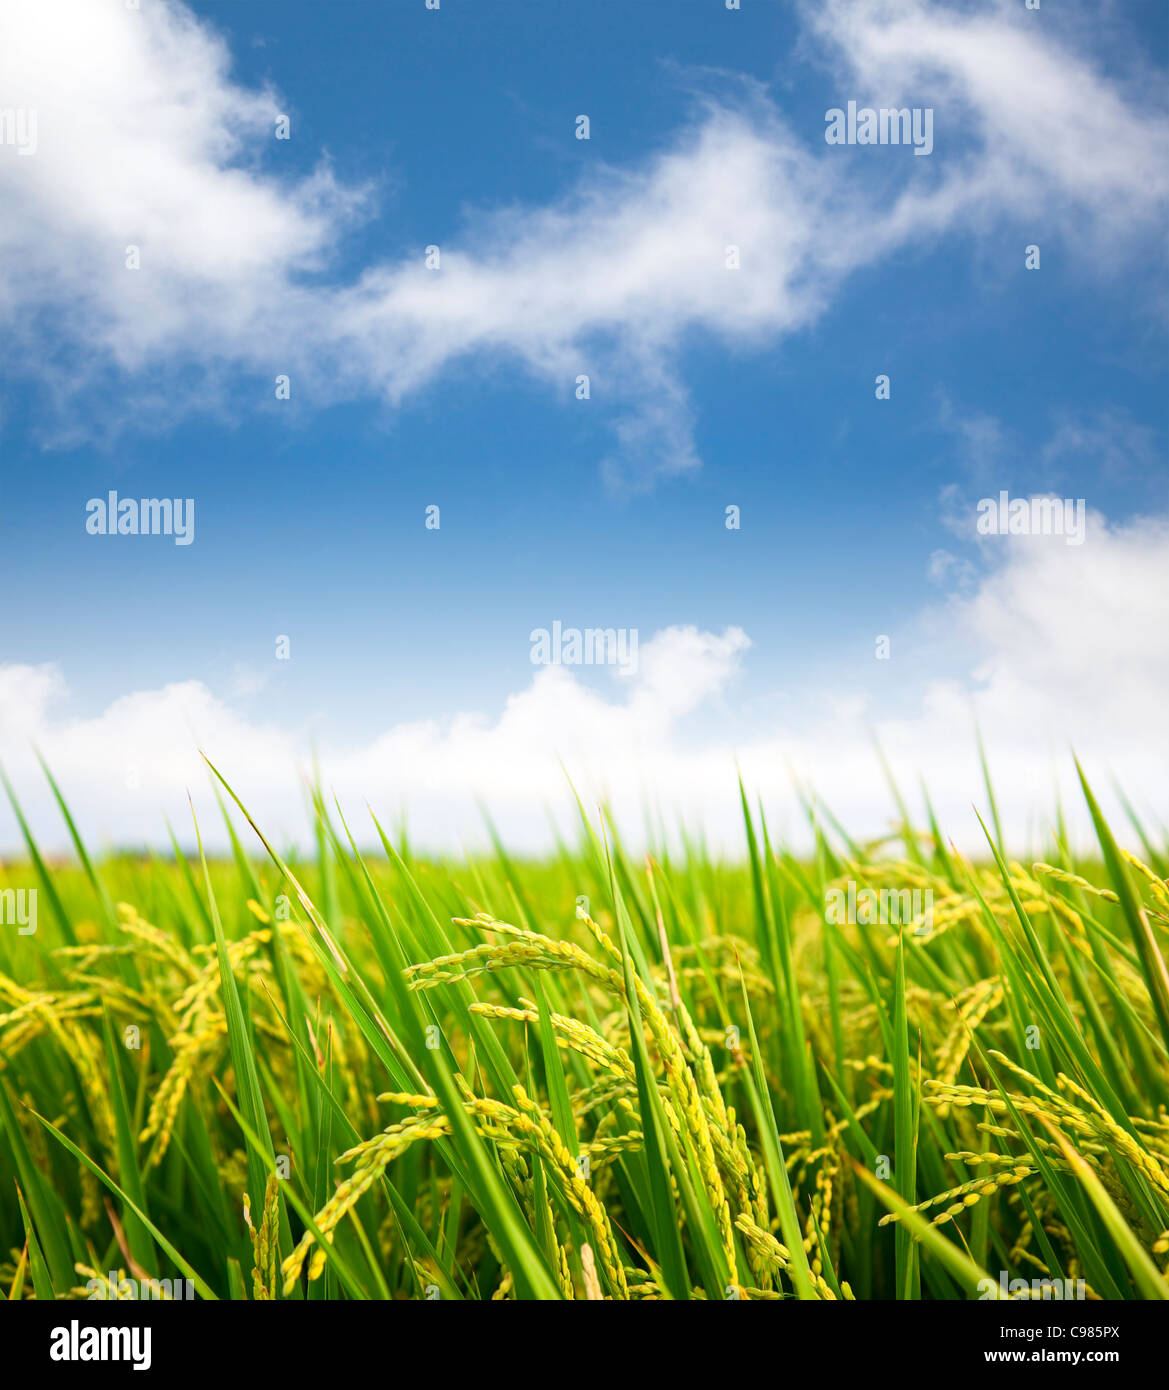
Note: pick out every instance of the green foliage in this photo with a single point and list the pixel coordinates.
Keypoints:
(383, 1076)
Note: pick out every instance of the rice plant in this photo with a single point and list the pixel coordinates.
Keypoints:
(384, 1076)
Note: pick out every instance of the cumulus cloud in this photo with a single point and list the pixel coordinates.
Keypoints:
(1057, 651)
(145, 138)
(1057, 627)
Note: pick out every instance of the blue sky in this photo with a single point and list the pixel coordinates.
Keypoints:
(456, 128)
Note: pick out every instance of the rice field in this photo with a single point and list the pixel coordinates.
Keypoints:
(873, 1071)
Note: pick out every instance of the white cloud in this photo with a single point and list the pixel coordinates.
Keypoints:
(146, 138)
(143, 139)
(1027, 123)
(1089, 630)
(1068, 647)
